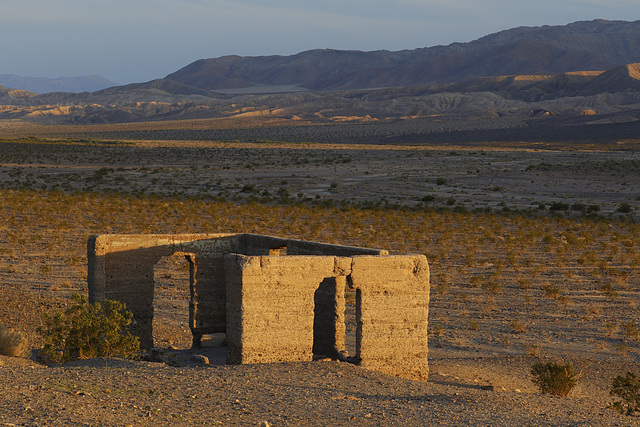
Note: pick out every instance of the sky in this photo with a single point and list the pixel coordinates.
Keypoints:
(130, 41)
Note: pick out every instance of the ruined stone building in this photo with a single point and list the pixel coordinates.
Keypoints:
(277, 299)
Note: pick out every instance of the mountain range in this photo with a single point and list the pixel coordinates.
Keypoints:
(61, 84)
(581, 46)
(581, 69)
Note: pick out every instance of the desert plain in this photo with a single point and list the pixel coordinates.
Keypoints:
(533, 246)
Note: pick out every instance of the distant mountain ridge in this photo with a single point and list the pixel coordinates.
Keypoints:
(568, 72)
(580, 46)
(62, 84)
(612, 96)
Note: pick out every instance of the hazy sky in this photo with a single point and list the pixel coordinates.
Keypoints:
(139, 40)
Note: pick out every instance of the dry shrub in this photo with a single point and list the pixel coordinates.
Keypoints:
(554, 378)
(518, 327)
(626, 387)
(532, 350)
(12, 343)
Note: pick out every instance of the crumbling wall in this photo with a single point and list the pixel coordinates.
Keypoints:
(121, 268)
(277, 299)
(393, 307)
(272, 307)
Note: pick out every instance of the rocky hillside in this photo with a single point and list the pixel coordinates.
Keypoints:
(581, 46)
(607, 95)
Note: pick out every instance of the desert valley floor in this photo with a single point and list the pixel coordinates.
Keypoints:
(534, 252)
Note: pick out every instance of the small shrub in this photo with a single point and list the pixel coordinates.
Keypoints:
(622, 348)
(437, 329)
(12, 343)
(442, 287)
(609, 291)
(350, 297)
(579, 207)
(624, 208)
(631, 330)
(552, 291)
(524, 283)
(476, 281)
(559, 206)
(248, 188)
(87, 330)
(627, 388)
(554, 378)
(491, 286)
(532, 350)
(518, 327)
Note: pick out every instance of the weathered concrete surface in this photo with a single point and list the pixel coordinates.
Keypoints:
(121, 268)
(393, 307)
(277, 299)
(270, 306)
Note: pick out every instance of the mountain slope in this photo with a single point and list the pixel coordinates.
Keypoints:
(625, 78)
(230, 72)
(586, 46)
(164, 86)
(7, 93)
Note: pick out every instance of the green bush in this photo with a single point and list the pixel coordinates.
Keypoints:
(627, 388)
(85, 330)
(559, 206)
(624, 208)
(12, 343)
(554, 378)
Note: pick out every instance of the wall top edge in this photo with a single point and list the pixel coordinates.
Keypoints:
(99, 242)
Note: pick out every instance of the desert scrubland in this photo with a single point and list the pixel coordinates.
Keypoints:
(534, 252)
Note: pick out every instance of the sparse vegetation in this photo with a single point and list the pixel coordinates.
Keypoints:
(627, 388)
(12, 343)
(437, 329)
(554, 378)
(85, 330)
(624, 208)
(504, 270)
(518, 327)
(532, 350)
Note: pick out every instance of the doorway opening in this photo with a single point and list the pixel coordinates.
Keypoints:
(351, 314)
(173, 290)
(335, 326)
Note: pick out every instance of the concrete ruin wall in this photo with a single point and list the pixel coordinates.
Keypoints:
(121, 268)
(277, 299)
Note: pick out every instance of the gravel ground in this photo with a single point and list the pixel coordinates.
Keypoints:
(113, 392)
(464, 388)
